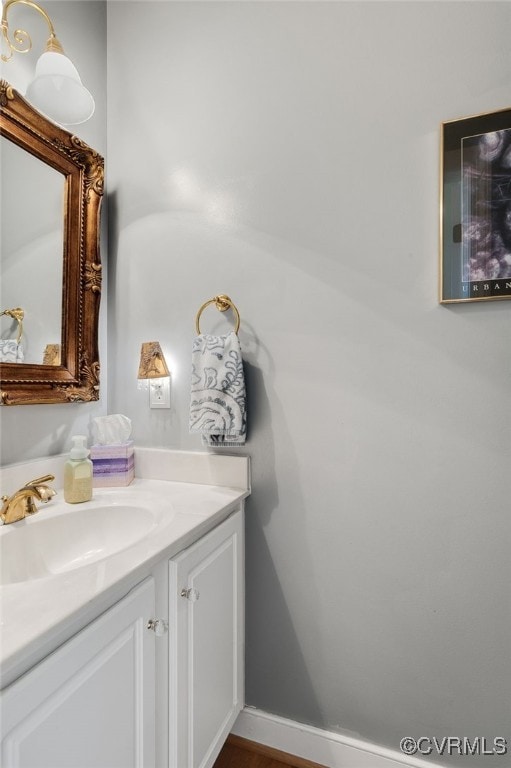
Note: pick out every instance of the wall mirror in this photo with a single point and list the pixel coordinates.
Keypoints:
(50, 268)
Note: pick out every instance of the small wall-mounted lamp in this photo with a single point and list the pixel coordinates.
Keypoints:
(56, 88)
(154, 374)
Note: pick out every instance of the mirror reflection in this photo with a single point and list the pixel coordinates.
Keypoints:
(31, 257)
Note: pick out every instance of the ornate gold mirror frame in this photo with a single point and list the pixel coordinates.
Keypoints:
(76, 378)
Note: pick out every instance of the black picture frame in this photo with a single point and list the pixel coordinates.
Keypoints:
(475, 208)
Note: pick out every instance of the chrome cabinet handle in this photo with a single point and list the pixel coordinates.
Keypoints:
(191, 594)
(159, 626)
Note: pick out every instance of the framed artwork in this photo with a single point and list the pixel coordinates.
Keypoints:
(475, 208)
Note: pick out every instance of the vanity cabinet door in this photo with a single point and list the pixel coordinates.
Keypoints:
(206, 645)
(91, 703)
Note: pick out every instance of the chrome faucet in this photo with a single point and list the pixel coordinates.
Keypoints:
(21, 503)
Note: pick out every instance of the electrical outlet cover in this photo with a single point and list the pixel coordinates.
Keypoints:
(159, 393)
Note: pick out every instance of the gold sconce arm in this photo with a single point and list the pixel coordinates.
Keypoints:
(22, 42)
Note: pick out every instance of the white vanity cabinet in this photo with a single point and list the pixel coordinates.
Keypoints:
(156, 681)
(206, 592)
(90, 704)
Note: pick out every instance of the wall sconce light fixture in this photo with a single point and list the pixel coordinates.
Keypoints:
(154, 374)
(56, 88)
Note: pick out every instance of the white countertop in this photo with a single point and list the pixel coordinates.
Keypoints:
(39, 614)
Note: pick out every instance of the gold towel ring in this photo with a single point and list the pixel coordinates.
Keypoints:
(16, 314)
(222, 303)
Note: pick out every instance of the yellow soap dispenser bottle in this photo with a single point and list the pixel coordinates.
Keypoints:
(78, 472)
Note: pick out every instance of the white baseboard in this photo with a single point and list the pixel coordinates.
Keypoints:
(324, 747)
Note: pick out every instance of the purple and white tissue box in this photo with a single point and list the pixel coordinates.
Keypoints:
(113, 464)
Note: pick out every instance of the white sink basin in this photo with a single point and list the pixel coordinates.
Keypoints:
(40, 545)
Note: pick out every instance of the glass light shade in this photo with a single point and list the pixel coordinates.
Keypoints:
(57, 90)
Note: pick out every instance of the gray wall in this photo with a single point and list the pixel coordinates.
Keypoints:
(287, 154)
(42, 430)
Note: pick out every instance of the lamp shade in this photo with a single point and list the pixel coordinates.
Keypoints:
(57, 90)
(152, 362)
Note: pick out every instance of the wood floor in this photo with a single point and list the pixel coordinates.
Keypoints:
(242, 753)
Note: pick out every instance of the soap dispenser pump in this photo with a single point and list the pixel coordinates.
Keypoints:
(78, 472)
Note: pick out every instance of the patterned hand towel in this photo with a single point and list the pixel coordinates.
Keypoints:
(218, 401)
(11, 351)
